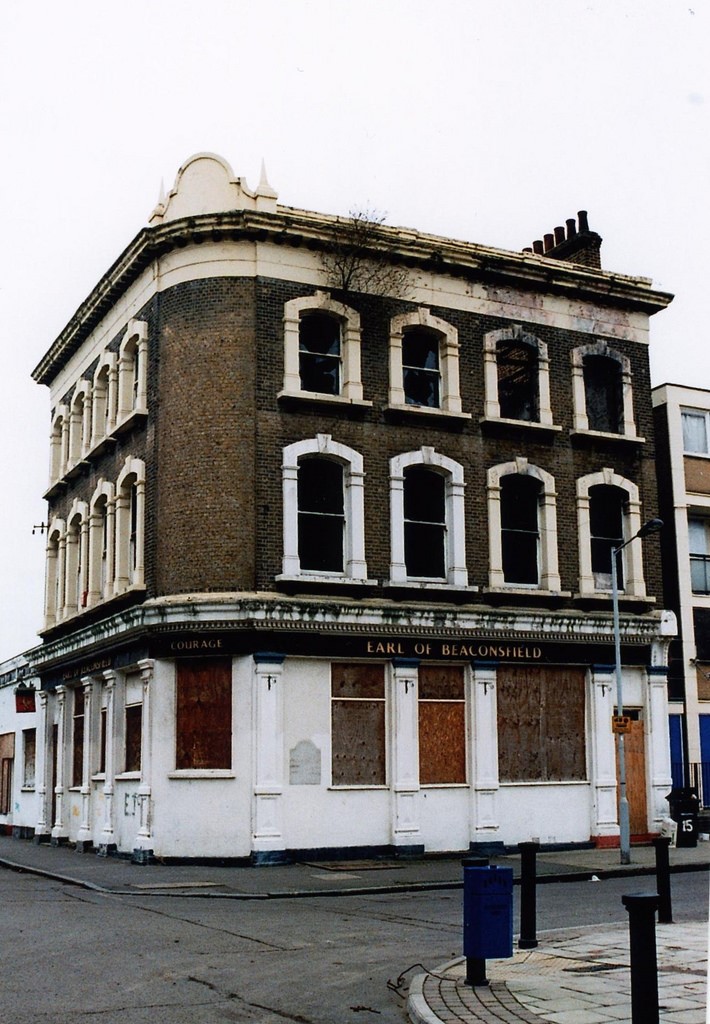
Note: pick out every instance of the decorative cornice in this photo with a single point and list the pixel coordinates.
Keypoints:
(297, 228)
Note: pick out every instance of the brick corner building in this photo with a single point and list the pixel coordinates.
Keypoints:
(331, 513)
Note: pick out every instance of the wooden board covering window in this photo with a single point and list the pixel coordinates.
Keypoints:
(442, 724)
(134, 729)
(7, 753)
(204, 713)
(358, 725)
(541, 733)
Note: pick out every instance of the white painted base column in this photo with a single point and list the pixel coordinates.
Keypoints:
(602, 692)
(658, 746)
(107, 840)
(44, 770)
(60, 832)
(406, 831)
(483, 730)
(267, 811)
(143, 843)
(84, 835)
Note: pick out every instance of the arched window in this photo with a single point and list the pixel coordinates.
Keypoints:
(520, 529)
(104, 401)
(133, 370)
(516, 377)
(424, 363)
(130, 526)
(522, 524)
(54, 577)
(427, 520)
(609, 512)
(101, 543)
(601, 390)
(320, 353)
(321, 349)
(59, 445)
(323, 511)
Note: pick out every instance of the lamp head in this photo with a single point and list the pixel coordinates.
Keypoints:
(652, 526)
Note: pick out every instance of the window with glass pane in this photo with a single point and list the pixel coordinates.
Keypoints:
(695, 432)
(699, 555)
(442, 724)
(606, 523)
(520, 530)
(358, 725)
(319, 349)
(424, 523)
(420, 367)
(603, 397)
(518, 396)
(321, 515)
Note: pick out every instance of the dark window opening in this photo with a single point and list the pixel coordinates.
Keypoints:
(606, 525)
(319, 348)
(204, 714)
(420, 367)
(603, 395)
(424, 523)
(134, 729)
(77, 773)
(102, 740)
(358, 725)
(518, 394)
(520, 529)
(321, 515)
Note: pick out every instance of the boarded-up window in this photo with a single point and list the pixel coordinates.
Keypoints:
(7, 754)
(603, 395)
(358, 725)
(134, 729)
(442, 724)
(77, 769)
(102, 740)
(29, 757)
(541, 724)
(204, 714)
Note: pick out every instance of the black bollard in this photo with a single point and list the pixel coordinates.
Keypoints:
(644, 967)
(663, 880)
(528, 907)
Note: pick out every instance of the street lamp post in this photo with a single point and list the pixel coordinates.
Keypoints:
(652, 526)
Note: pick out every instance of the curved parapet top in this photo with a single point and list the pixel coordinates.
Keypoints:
(207, 184)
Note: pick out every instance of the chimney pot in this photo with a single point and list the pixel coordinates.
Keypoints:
(549, 242)
(538, 247)
(571, 227)
(527, 248)
(559, 235)
(583, 222)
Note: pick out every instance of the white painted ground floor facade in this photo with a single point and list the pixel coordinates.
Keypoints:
(250, 729)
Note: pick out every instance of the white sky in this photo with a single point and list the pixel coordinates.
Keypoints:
(485, 120)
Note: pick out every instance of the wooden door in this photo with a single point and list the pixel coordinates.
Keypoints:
(635, 757)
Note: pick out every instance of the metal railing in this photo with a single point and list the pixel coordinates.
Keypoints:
(696, 775)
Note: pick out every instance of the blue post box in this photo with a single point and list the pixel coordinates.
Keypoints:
(487, 912)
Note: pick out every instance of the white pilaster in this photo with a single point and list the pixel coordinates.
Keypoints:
(267, 731)
(144, 839)
(43, 768)
(404, 724)
(484, 774)
(108, 836)
(602, 692)
(658, 747)
(84, 835)
(59, 828)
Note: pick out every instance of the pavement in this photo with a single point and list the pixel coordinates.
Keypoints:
(573, 976)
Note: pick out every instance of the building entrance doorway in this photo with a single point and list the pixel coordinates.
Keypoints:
(635, 757)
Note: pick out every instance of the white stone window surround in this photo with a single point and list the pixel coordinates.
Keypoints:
(132, 372)
(54, 573)
(350, 376)
(59, 444)
(102, 508)
(491, 407)
(105, 398)
(579, 397)
(634, 584)
(79, 423)
(547, 519)
(75, 566)
(455, 541)
(355, 566)
(450, 396)
(126, 575)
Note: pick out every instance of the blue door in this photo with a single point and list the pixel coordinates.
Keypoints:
(675, 727)
(705, 759)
